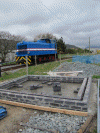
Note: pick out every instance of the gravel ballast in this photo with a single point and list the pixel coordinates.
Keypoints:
(88, 69)
(53, 122)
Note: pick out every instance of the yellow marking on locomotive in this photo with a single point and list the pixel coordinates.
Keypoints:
(28, 63)
(17, 58)
(29, 59)
(23, 58)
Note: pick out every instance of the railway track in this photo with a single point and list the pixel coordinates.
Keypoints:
(13, 67)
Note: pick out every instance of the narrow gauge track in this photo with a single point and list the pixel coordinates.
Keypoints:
(13, 67)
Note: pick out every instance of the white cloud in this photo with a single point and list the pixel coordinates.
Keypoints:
(74, 20)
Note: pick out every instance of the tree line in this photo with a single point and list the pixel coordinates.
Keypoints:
(8, 43)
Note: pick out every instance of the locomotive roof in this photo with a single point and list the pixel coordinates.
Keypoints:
(39, 41)
(46, 40)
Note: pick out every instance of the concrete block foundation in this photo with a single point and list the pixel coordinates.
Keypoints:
(79, 103)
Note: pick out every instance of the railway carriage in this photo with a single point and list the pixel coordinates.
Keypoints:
(41, 51)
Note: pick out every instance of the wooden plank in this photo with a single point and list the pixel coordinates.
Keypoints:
(86, 124)
(64, 111)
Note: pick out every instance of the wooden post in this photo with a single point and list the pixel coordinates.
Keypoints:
(0, 70)
(60, 57)
(89, 45)
(26, 66)
(98, 107)
(55, 56)
(35, 60)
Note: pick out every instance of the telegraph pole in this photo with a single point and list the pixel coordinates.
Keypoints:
(89, 45)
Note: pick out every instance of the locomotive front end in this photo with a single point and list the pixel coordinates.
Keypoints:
(21, 53)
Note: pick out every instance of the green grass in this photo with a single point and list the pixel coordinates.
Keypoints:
(95, 130)
(9, 75)
(36, 70)
(69, 60)
(97, 64)
(32, 70)
(46, 67)
(96, 76)
(8, 63)
(68, 55)
(65, 55)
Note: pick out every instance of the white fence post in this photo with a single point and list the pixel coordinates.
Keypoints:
(26, 65)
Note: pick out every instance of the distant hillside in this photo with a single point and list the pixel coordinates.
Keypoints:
(71, 46)
(93, 46)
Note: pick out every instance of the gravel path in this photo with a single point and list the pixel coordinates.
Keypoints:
(88, 69)
(54, 123)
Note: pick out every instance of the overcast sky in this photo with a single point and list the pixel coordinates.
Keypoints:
(74, 20)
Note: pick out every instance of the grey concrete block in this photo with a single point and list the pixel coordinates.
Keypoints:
(64, 106)
(11, 95)
(20, 86)
(85, 109)
(30, 97)
(56, 87)
(70, 102)
(75, 91)
(82, 89)
(28, 101)
(81, 103)
(75, 107)
(48, 100)
(18, 96)
(58, 101)
(39, 98)
(4, 94)
(14, 99)
(54, 104)
(7, 97)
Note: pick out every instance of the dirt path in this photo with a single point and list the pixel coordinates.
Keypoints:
(16, 115)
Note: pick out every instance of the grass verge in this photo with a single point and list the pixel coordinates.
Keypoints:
(32, 70)
(96, 76)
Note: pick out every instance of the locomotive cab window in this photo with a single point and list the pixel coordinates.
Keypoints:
(22, 47)
(47, 41)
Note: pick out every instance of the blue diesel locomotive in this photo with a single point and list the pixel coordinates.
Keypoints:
(40, 51)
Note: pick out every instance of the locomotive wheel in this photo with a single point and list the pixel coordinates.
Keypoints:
(44, 58)
(49, 58)
(40, 59)
(53, 57)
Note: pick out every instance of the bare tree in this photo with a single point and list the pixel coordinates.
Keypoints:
(46, 35)
(8, 43)
(8, 36)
